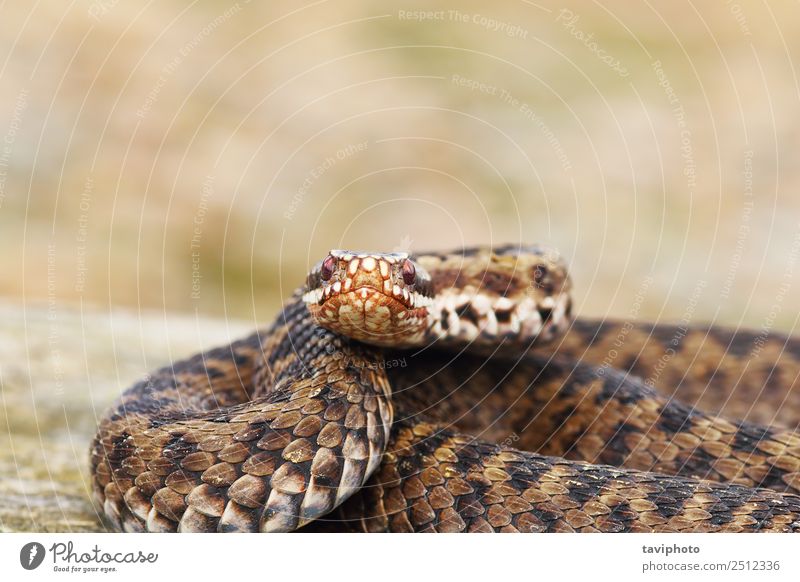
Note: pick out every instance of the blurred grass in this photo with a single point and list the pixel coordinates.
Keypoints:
(123, 114)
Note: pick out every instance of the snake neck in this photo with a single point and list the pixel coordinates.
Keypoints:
(295, 347)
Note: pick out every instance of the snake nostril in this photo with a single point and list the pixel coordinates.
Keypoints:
(409, 273)
(327, 268)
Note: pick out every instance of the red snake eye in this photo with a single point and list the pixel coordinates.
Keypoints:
(326, 272)
(409, 273)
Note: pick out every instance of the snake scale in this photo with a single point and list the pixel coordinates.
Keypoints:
(408, 393)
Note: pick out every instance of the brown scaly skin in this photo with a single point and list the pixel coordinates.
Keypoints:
(582, 412)
(743, 374)
(254, 436)
(439, 481)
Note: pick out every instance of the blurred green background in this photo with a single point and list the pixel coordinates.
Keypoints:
(199, 156)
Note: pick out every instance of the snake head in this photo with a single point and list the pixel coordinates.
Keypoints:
(377, 298)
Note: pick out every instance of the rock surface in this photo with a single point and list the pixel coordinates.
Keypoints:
(59, 369)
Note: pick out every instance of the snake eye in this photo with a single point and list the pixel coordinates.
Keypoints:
(539, 274)
(326, 272)
(409, 273)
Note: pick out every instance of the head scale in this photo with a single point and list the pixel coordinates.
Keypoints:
(378, 298)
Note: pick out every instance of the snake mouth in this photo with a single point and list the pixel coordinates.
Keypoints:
(365, 299)
(391, 296)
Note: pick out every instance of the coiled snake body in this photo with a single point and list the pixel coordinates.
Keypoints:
(398, 393)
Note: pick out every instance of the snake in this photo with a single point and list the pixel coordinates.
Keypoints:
(456, 391)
